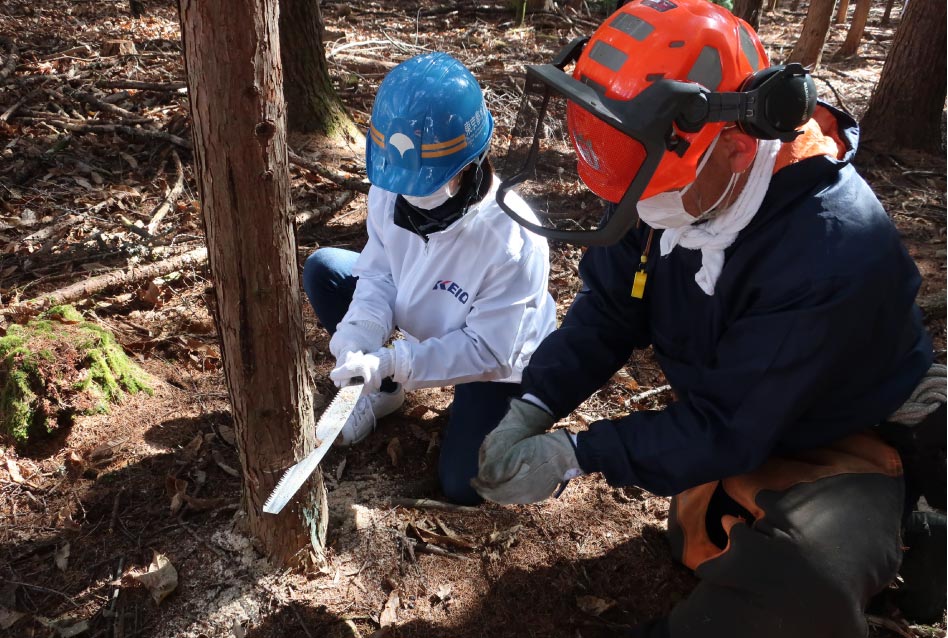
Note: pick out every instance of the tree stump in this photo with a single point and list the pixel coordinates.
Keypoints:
(58, 366)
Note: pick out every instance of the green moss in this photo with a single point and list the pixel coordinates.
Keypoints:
(64, 313)
(33, 358)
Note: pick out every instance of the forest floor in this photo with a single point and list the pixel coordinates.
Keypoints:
(81, 193)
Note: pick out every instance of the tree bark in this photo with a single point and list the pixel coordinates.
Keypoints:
(313, 106)
(749, 11)
(905, 108)
(856, 29)
(809, 48)
(232, 55)
(841, 12)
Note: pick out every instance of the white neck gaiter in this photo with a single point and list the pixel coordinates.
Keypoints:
(715, 235)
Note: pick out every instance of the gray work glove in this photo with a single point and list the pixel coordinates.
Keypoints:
(529, 471)
(523, 419)
(517, 461)
(356, 336)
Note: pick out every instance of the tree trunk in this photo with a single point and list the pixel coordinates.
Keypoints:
(809, 48)
(772, 5)
(905, 108)
(749, 10)
(841, 12)
(312, 103)
(887, 14)
(232, 55)
(856, 29)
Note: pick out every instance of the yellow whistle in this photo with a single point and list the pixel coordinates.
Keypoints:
(638, 284)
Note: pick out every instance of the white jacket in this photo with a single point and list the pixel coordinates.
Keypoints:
(472, 301)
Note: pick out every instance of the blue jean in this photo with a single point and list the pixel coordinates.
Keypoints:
(477, 408)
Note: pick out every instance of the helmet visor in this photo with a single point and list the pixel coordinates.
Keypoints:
(572, 150)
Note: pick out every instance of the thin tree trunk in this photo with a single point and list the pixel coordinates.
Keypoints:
(312, 103)
(856, 29)
(841, 12)
(809, 48)
(887, 14)
(905, 109)
(232, 54)
(772, 5)
(749, 10)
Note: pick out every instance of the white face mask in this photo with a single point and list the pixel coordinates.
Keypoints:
(666, 210)
(435, 199)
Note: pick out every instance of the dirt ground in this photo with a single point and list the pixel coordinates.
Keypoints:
(86, 511)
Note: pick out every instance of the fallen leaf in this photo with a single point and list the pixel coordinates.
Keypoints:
(340, 469)
(176, 488)
(394, 450)
(503, 539)
(74, 463)
(14, 471)
(594, 605)
(64, 518)
(220, 463)
(388, 615)
(189, 452)
(62, 557)
(227, 433)
(443, 595)
(9, 617)
(160, 579)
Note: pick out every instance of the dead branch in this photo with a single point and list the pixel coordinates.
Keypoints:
(95, 102)
(143, 133)
(169, 87)
(427, 503)
(162, 209)
(320, 213)
(16, 105)
(95, 285)
(360, 185)
(11, 60)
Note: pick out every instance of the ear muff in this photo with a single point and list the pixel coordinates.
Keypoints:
(771, 104)
(785, 100)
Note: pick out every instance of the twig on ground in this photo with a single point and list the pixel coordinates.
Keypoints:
(170, 87)
(839, 98)
(427, 503)
(115, 511)
(162, 209)
(96, 127)
(16, 105)
(649, 393)
(128, 116)
(889, 624)
(94, 285)
(338, 177)
(47, 590)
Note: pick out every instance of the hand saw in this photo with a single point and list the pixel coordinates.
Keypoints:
(327, 429)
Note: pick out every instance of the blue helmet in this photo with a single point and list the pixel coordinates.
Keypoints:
(429, 121)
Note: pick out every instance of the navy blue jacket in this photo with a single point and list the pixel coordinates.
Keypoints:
(812, 334)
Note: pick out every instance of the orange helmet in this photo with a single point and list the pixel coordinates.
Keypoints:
(645, 41)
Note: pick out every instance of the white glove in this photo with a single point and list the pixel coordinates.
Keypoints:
(356, 336)
(373, 368)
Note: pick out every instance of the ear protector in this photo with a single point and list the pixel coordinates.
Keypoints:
(771, 104)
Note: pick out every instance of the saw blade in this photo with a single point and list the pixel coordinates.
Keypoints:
(327, 429)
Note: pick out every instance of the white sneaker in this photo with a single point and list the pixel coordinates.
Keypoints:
(366, 413)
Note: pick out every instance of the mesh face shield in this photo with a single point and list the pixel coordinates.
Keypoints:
(621, 144)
